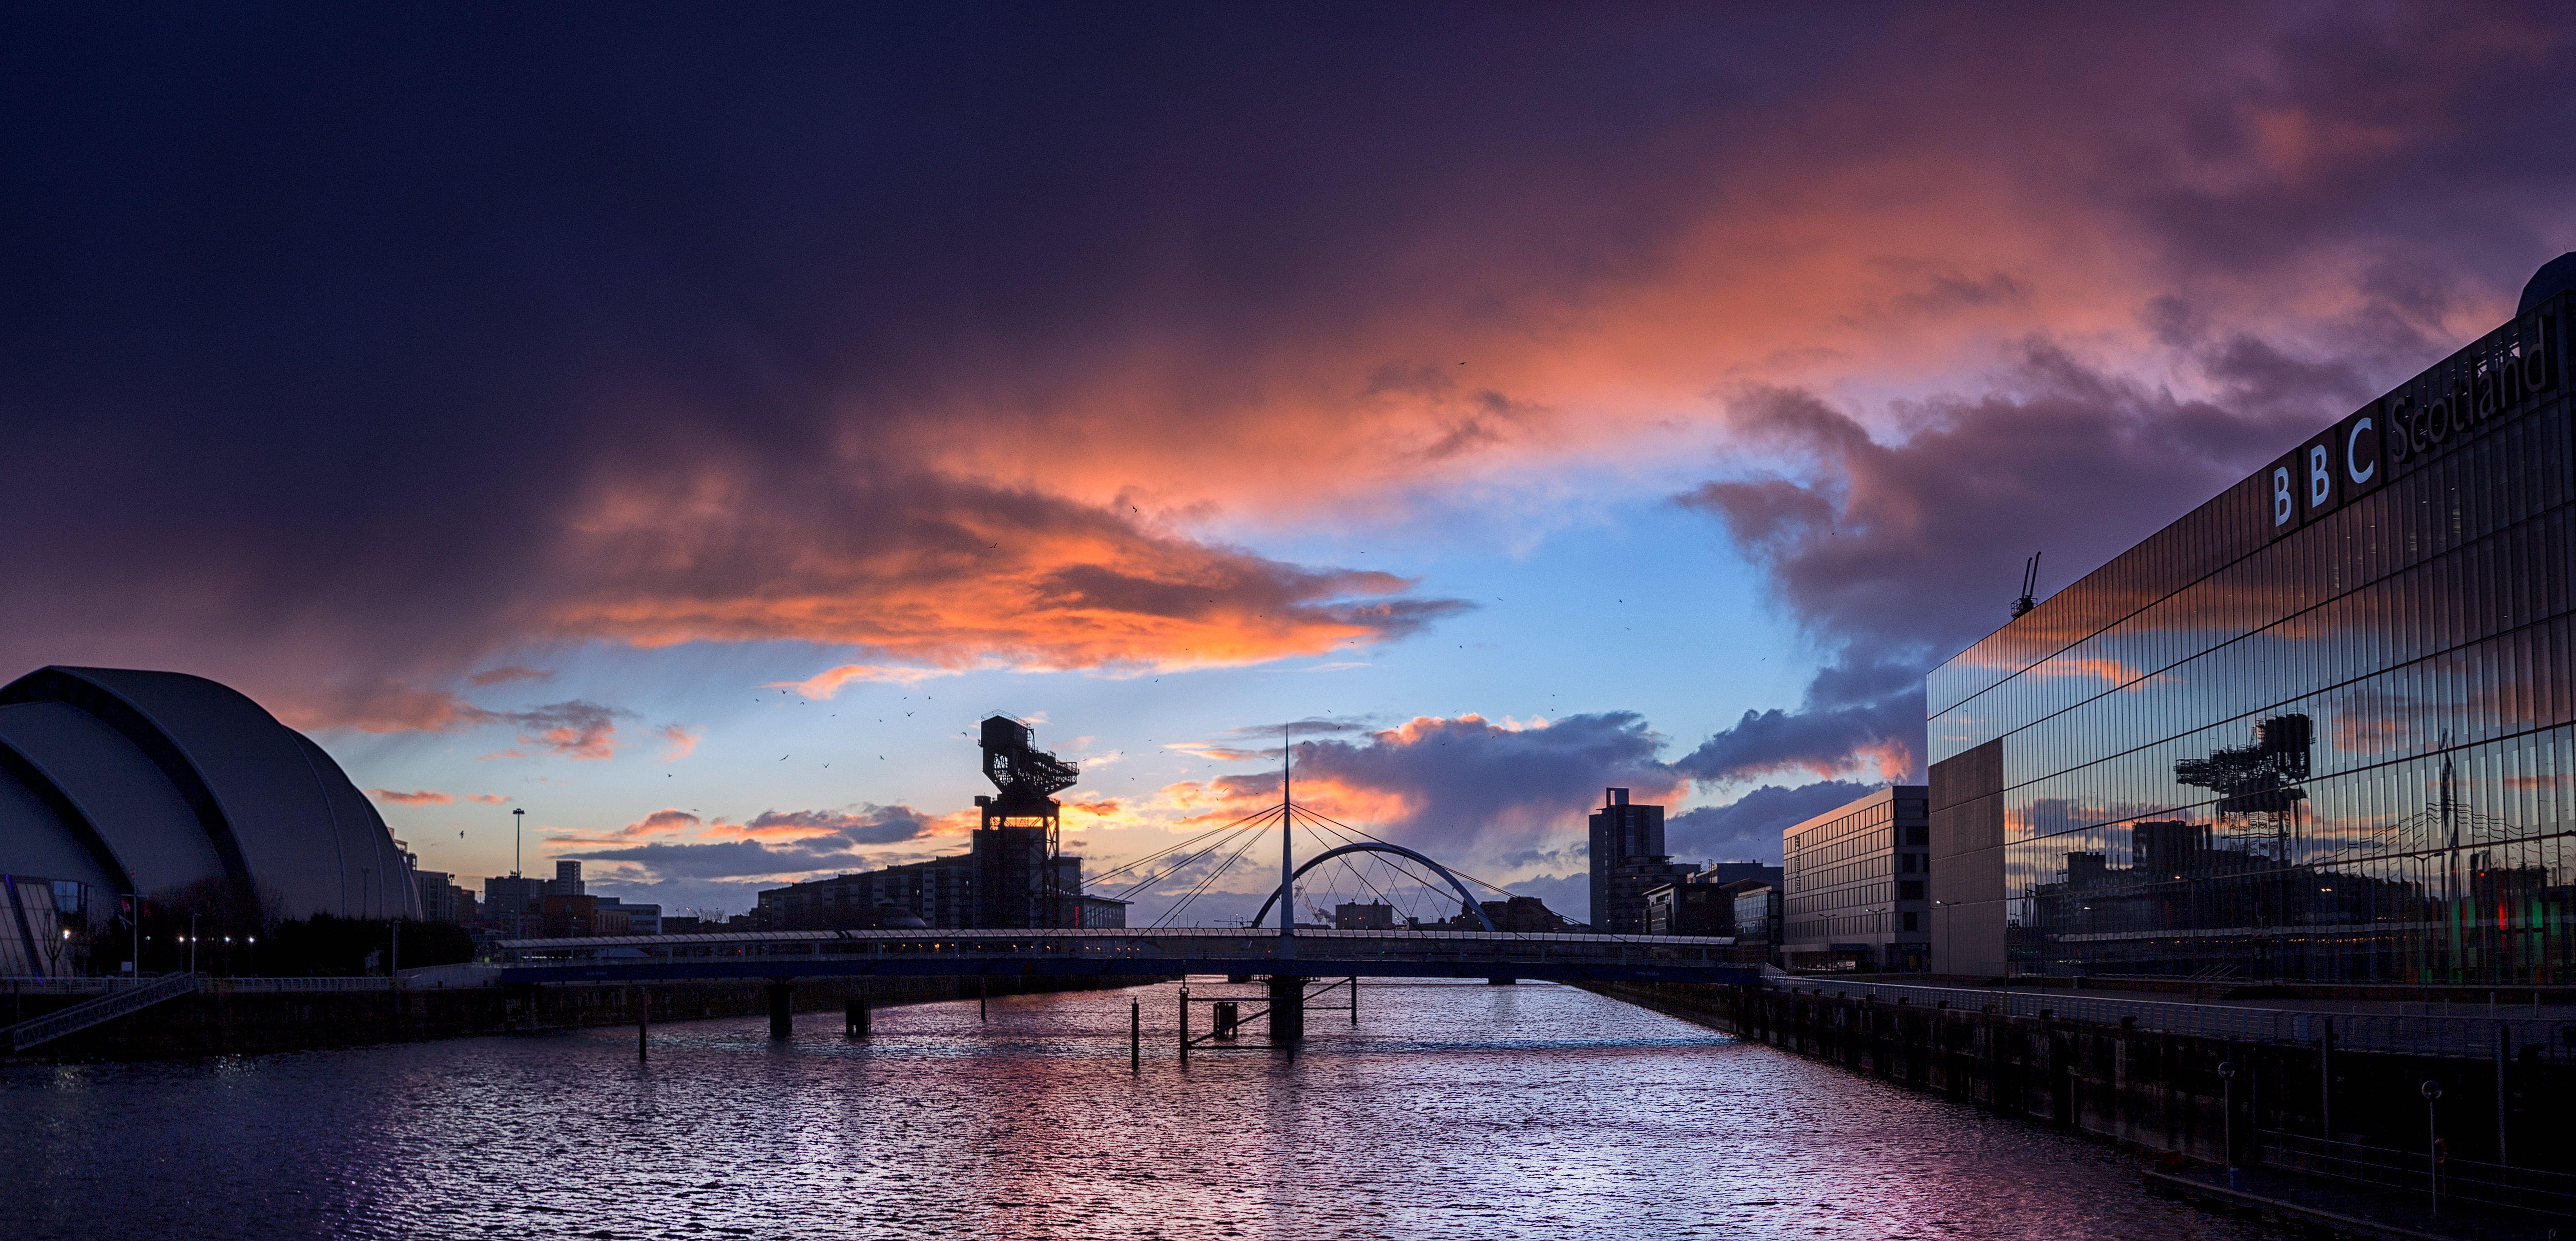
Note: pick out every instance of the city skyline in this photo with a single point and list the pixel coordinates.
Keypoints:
(566, 421)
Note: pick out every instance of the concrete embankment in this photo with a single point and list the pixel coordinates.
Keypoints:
(2184, 1097)
(239, 1020)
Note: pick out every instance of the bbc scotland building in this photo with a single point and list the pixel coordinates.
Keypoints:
(2322, 728)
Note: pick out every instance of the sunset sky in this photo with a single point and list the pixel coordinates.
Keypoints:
(683, 423)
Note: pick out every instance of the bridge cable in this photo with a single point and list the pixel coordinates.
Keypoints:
(1125, 867)
(1252, 838)
(1185, 863)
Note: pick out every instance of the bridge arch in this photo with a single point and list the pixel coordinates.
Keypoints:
(1373, 846)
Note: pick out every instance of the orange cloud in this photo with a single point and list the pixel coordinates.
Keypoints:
(505, 675)
(829, 682)
(682, 742)
(421, 798)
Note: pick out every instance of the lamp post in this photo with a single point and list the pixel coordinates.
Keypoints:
(192, 943)
(2432, 1091)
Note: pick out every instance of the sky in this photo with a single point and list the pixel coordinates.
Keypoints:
(683, 423)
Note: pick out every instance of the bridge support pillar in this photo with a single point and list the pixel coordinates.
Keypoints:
(782, 1015)
(1287, 1011)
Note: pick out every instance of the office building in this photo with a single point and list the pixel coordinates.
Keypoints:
(2323, 727)
(567, 880)
(1852, 885)
(1627, 856)
(1703, 902)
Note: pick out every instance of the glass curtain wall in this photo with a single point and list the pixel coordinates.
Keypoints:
(2341, 753)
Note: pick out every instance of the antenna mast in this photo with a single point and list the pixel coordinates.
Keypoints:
(2029, 586)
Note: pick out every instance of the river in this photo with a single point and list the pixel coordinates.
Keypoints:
(1452, 1110)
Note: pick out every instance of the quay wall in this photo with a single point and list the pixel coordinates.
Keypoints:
(221, 1022)
(2149, 1091)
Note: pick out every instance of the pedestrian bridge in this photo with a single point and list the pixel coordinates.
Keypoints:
(1157, 952)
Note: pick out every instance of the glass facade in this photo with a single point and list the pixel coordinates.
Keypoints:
(2321, 728)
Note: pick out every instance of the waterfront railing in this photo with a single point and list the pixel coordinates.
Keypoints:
(2512, 1035)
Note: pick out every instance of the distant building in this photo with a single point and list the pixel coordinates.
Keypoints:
(1854, 885)
(567, 880)
(1757, 922)
(1526, 915)
(683, 924)
(639, 919)
(1703, 903)
(1100, 913)
(515, 905)
(937, 893)
(1374, 916)
(441, 900)
(1627, 858)
(571, 915)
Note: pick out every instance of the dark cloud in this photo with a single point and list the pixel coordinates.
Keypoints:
(1471, 788)
(780, 843)
(1749, 827)
(724, 859)
(349, 350)
(1895, 554)
(869, 825)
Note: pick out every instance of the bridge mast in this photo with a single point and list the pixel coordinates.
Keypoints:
(1287, 842)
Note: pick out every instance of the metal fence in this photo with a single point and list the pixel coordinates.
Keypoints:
(2480, 1037)
(2418, 1172)
(109, 986)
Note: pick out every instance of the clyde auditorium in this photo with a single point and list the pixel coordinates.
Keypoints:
(120, 782)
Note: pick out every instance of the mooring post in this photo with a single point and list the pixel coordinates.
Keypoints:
(782, 1017)
(1355, 1003)
(1135, 1036)
(1287, 1011)
(644, 1023)
(1185, 1027)
(854, 1017)
(983, 995)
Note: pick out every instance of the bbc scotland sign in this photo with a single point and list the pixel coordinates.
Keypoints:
(2499, 377)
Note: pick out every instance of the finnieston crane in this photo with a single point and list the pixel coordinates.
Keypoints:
(1020, 879)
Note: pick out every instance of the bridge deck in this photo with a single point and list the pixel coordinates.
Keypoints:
(1147, 952)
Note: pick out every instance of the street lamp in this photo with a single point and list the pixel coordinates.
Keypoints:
(2432, 1091)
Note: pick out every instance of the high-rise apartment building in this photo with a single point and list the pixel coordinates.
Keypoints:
(1627, 855)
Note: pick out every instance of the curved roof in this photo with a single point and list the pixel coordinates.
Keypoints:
(171, 779)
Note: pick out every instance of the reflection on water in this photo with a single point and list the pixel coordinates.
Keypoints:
(1454, 1110)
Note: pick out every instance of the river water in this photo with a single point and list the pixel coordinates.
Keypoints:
(1452, 1110)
